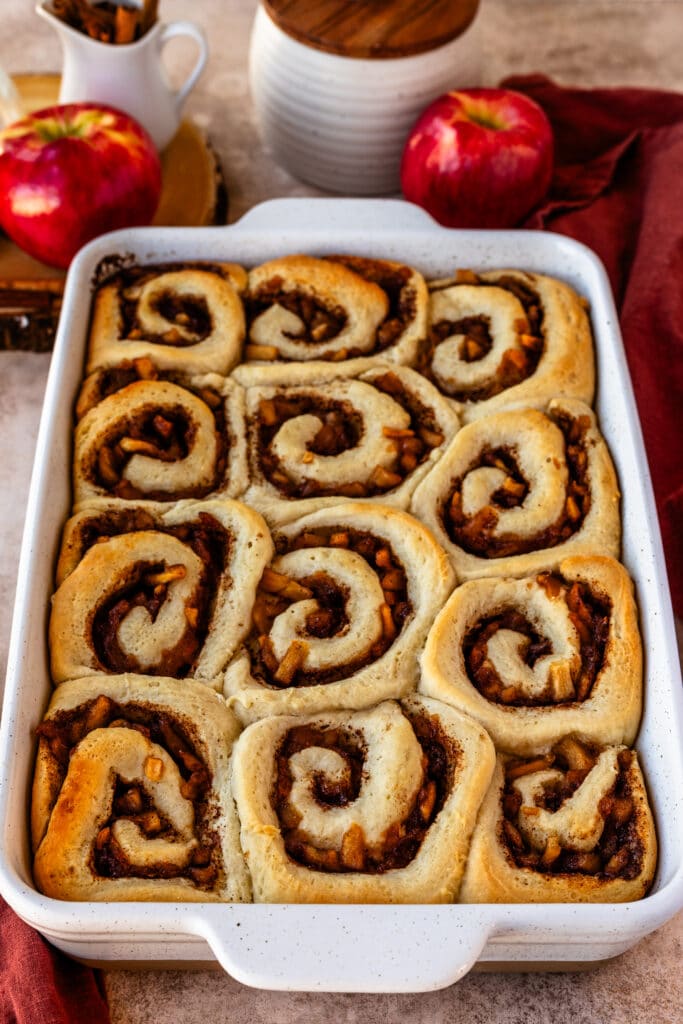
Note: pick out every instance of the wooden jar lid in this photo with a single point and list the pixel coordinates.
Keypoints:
(373, 28)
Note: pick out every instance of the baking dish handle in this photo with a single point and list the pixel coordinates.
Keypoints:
(337, 215)
(329, 949)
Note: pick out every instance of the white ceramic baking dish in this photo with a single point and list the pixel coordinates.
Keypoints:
(343, 948)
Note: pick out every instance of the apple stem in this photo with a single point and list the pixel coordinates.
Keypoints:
(486, 121)
(51, 131)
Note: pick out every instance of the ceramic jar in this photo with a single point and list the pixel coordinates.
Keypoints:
(340, 122)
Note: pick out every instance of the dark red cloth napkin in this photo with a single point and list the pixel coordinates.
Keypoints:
(38, 985)
(618, 187)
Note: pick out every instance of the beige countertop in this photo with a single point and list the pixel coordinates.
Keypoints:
(587, 42)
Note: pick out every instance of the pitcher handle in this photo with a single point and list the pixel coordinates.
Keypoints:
(186, 28)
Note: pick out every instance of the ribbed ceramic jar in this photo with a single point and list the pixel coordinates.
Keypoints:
(341, 122)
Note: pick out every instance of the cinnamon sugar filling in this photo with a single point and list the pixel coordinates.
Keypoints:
(402, 841)
(342, 429)
(146, 585)
(321, 322)
(108, 380)
(276, 592)
(516, 363)
(324, 322)
(61, 734)
(190, 312)
(475, 534)
(589, 613)
(166, 434)
(394, 282)
(618, 853)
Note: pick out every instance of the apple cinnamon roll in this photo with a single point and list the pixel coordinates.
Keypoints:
(162, 437)
(131, 794)
(568, 826)
(361, 806)
(370, 437)
(334, 310)
(518, 491)
(340, 613)
(155, 589)
(187, 318)
(534, 659)
(507, 338)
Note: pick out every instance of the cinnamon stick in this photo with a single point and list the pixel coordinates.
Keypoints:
(125, 24)
(108, 22)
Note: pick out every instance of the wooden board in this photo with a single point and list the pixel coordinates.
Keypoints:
(193, 195)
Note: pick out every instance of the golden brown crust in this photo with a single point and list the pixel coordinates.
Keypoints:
(157, 589)
(345, 794)
(508, 339)
(182, 318)
(536, 658)
(342, 614)
(342, 310)
(599, 845)
(338, 437)
(518, 491)
(163, 440)
(420, 767)
(131, 794)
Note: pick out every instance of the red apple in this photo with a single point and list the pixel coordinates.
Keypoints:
(71, 172)
(479, 158)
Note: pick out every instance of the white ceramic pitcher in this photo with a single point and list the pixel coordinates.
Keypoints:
(129, 76)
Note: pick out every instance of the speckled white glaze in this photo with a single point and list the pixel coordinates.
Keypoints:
(382, 948)
(341, 122)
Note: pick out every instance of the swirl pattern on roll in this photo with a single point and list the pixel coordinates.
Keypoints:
(302, 309)
(571, 824)
(340, 613)
(131, 794)
(375, 436)
(507, 338)
(536, 658)
(519, 490)
(361, 806)
(159, 439)
(154, 589)
(188, 318)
